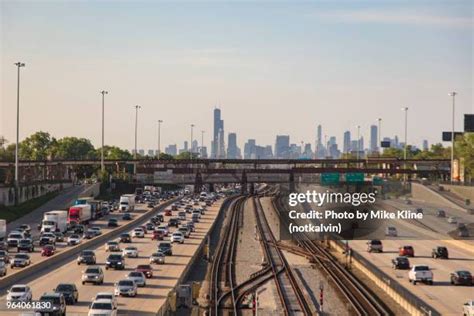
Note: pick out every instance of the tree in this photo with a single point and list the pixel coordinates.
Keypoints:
(164, 156)
(464, 149)
(37, 146)
(114, 153)
(73, 148)
(186, 155)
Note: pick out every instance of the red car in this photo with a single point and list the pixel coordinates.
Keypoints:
(168, 212)
(145, 269)
(48, 250)
(158, 234)
(406, 251)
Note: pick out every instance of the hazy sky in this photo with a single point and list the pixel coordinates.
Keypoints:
(272, 67)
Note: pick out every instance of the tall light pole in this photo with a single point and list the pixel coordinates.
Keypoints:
(136, 129)
(452, 94)
(358, 142)
(159, 137)
(405, 109)
(102, 166)
(379, 144)
(17, 184)
(202, 144)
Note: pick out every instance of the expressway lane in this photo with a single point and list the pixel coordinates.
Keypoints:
(150, 298)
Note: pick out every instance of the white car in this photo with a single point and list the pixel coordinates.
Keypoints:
(106, 296)
(138, 232)
(96, 230)
(74, 240)
(19, 293)
(102, 307)
(126, 288)
(452, 220)
(177, 237)
(468, 308)
(130, 252)
(137, 277)
(420, 273)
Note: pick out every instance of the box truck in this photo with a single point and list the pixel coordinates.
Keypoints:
(54, 221)
(80, 214)
(3, 229)
(127, 203)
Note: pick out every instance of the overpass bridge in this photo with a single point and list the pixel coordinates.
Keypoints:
(211, 171)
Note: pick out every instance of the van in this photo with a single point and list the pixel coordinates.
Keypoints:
(391, 231)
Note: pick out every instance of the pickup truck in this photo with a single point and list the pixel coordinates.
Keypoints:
(420, 273)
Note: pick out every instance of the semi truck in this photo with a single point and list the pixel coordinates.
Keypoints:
(3, 229)
(80, 214)
(54, 221)
(127, 203)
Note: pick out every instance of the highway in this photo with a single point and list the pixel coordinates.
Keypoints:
(150, 298)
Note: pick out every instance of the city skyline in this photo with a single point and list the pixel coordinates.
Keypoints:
(189, 71)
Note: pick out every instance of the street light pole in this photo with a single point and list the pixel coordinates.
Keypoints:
(202, 144)
(191, 143)
(406, 132)
(17, 184)
(159, 137)
(452, 94)
(136, 129)
(102, 166)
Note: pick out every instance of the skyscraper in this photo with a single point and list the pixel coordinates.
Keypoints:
(232, 149)
(249, 148)
(373, 138)
(425, 144)
(347, 142)
(218, 125)
(320, 150)
(282, 146)
(220, 144)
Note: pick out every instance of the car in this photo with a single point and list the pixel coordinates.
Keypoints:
(138, 232)
(112, 222)
(106, 296)
(24, 228)
(461, 277)
(374, 245)
(158, 234)
(89, 234)
(160, 218)
(440, 252)
(452, 219)
(191, 226)
(96, 230)
(173, 222)
(157, 257)
(406, 251)
(182, 216)
(4, 256)
(126, 288)
(149, 226)
(48, 250)
(166, 248)
(20, 260)
(168, 212)
(174, 207)
(87, 257)
(51, 236)
(126, 216)
(57, 306)
(130, 252)
(19, 293)
(468, 308)
(146, 269)
(74, 239)
(69, 291)
(463, 233)
(125, 238)
(3, 269)
(177, 237)
(59, 236)
(420, 273)
(93, 274)
(25, 245)
(102, 307)
(137, 277)
(115, 261)
(195, 218)
(461, 225)
(14, 238)
(391, 231)
(112, 246)
(441, 213)
(419, 210)
(165, 228)
(401, 263)
(185, 231)
(75, 228)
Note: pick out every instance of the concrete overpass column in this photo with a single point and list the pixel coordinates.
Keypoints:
(251, 188)
(292, 182)
(198, 182)
(243, 183)
(211, 187)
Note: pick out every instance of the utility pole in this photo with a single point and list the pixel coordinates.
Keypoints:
(379, 145)
(202, 144)
(17, 184)
(159, 137)
(406, 143)
(452, 94)
(102, 166)
(358, 143)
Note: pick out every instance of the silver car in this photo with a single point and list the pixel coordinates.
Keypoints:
(93, 275)
(157, 257)
(126, 288)
(137, 277)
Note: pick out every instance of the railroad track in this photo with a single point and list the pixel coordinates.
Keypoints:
(289, 291)
(363, 301)
(223, 283)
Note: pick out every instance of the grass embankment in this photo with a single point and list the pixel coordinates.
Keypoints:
(11, 213)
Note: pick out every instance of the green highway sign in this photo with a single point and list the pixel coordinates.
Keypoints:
(330, 178)
(377, 181)
(354, 177)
